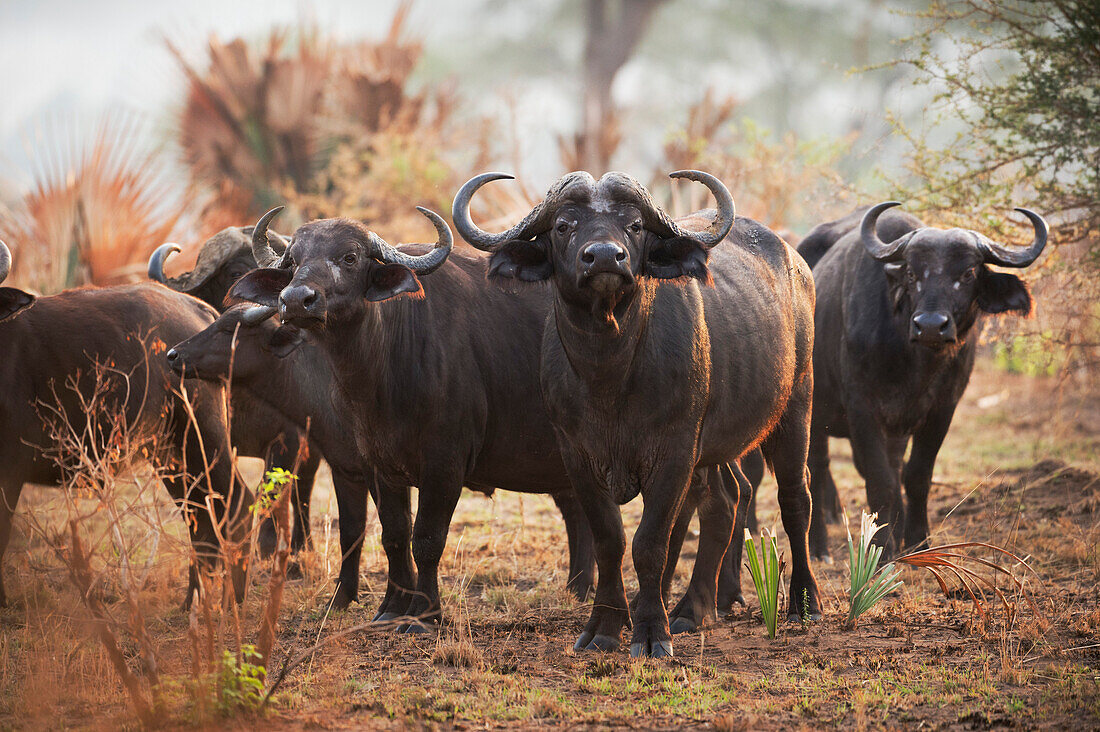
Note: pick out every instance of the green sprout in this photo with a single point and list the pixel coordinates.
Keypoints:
(869, 584)
(766, 569)
(271, 488)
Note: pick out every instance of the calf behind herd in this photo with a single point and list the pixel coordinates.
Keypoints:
(665, 358)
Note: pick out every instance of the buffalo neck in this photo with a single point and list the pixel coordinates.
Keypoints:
(602, 353)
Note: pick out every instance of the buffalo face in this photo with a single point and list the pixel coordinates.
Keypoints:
(332, 268)
(597, 239)
(242, 341)
(939, 280)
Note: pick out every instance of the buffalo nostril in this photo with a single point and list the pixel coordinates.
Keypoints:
(603, 252)
(931, 322)
(310, 300)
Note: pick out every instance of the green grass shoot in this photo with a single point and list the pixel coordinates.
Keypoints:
(869, 584)
(766, 569)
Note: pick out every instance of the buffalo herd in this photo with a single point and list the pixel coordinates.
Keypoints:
(599, 351)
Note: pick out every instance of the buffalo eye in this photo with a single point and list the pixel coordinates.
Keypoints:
(562, 227)
(350, 258)
(969, 275)
(635, 226)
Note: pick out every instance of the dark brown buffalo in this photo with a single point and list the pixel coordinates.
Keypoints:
(256, 429)
(899, 311)
(280, 368)
(51, 342)
(646, 379)
(439, 376)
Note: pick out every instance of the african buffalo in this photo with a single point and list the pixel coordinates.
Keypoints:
(439, 377)
(52, 346)
(280, 368)
(645, 378)
(256, 429)
(899, 310)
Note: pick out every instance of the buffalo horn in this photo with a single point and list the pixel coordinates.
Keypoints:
(876, 247)
(1016, 256)
(532, 224)
(5, 261)
(424, 263)
(258, 314)
(659, 221)
(156, 262)
(261, 248)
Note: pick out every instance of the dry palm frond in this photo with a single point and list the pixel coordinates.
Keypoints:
(947, 560)
(93, 214)
(325, 128)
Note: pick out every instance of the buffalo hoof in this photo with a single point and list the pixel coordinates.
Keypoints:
(414, 628)
(677, 626)
(598, 642)
(814, 618)
(341, 601)
(385, 617)
(653, 649)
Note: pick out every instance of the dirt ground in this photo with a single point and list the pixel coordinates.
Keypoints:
(1020, 469)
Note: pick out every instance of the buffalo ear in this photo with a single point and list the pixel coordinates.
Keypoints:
(285, 341)
(675, 257)
(261, 286)
(895, 280)
(999, 292)
(390, 280)
(13, 302)
(521, 260)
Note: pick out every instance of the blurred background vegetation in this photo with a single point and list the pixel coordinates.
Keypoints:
(962, 109)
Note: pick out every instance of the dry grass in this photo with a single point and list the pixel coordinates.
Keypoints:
(503, 658)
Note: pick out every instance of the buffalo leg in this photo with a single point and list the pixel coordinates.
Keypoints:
(717, 511)
(871, 453)
(582, 561)
(609, 609)
(351, 502)
(206, 458)
(729, 577)
(436, 505)
(752, 467)
(820, 477)
(680, 528)
(917, 475)
(662, 500)
(9, 499)
(395, 514)
(303, 492)
(787, 449)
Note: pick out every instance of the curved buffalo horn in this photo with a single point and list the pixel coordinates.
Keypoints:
(483, 240)
(5, 261)
(156, 262)
(261, 248)
(1016, 257)
(876, 247)
(424, 263)
(723, 222)
(258, 314)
